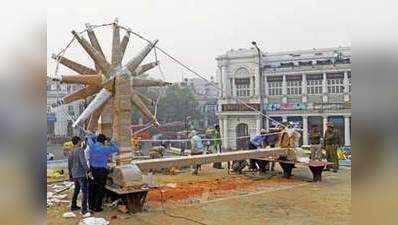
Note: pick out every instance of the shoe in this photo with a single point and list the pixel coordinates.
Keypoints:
(85, 215)
(75, 208)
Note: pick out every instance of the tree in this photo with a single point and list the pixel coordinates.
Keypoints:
(178, 103)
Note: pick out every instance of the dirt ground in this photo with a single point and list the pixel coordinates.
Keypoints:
(215, 197)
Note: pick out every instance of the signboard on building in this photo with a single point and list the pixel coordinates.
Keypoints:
(289, 106)
(329, 106)
(240, 107)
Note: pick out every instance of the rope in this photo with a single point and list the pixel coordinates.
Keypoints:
(203, 78)
(62, 52)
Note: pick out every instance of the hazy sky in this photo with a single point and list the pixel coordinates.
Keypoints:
(198, 31)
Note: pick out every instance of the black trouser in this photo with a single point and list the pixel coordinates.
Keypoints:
(80, 183)
(217, 149)
(252, 161)
(97, 187)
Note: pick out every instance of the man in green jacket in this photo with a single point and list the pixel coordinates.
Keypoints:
(217, 145)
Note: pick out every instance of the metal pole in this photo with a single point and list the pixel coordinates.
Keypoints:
(260, 74)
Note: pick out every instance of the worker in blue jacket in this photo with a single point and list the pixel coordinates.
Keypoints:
(257, 142)
(98, 153)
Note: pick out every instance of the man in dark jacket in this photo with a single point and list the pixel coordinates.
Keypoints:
(78, 172)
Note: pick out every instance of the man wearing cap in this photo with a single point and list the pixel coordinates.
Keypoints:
(331, 143)
(315, 141)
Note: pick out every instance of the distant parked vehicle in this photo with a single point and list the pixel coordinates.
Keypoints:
(50, 156)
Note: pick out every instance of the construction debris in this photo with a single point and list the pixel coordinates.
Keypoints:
(69, 215)
(56, 196)
(94, 221)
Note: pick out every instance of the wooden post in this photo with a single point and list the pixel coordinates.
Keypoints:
(122, 118)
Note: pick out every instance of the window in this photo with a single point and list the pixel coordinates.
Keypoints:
(293, 85)
(275, 88)
(70, 110)
(335, 83)
(242, 87)
(274, 85)
(349, 81)
(314, 86)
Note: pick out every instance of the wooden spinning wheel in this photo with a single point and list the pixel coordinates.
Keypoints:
(113, 85)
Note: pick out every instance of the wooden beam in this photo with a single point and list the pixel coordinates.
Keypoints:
(136, 100)
(93, 53)
(77, 67)
(135, 82)
(143, 68)
(94, 42)
(123, 45)
(80, 94)
(116, 54)
(93, 122)
(154, 164)
(136, 61)
(94, 80)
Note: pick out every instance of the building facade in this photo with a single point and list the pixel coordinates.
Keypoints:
(60, 119)
(206, 95)
(307, 87)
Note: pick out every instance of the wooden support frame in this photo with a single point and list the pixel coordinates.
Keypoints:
(152, 164)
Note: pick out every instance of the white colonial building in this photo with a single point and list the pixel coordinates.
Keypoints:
(308, 87)
(60, 119)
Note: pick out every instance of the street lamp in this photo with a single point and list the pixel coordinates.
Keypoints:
(260, 74)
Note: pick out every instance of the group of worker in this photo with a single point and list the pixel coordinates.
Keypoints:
(87, 164)
(330, 142)
(200, 146)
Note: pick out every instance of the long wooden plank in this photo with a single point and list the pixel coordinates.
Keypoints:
(116, 54)
(94, 80)
(77, 67)
(80, 94)
(151, 164)
(93, 53)
(94, 42)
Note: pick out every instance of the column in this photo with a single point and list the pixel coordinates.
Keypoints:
(347, 138)
(304, 88)
(233, 87)
(226, 140)
(220, 81)
(284, 89)
(258, 123)
(346, 87)
(252, 88)
(226, 84)
(305, 130)
(325, 123)
(267, 124)
(324, 89)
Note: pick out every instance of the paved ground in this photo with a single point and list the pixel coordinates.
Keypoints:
(269, 202)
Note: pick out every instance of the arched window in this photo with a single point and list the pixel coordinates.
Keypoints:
(242, 82)
(242, 136)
